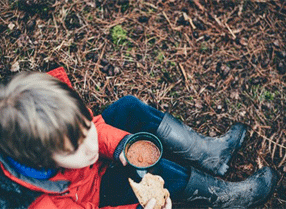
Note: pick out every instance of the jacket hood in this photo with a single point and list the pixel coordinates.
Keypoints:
(47, 186)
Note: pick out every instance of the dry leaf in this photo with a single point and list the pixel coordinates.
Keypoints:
(243, 41)
(11, 26)
(15, 67)
(212, 134)
(242, 113)
(234, 95)
(259, 162)
(248, 167)
(198, 104)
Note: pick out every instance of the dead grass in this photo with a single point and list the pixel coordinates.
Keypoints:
(209, 63)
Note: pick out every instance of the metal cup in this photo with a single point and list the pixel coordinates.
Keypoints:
(142, 136)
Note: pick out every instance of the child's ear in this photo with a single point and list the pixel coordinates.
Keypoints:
(68, 145)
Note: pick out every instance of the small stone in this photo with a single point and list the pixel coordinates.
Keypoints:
(31, 24)
(73, 48)
(182, 21)
(207, 37)
(219, 109)
(104, 62)
(105, 69)
(199, 24)
(218, 67)
(224, 70)
(116, 70)
(3, 28)
(121, 2)
(281, 67)
(196, 34)
(265, 62)
(281, 54)
(79, 36)
(110, 70)
(143, 19)
(16, 33)
(139, 30)
(255, 81)
(92, 56)
(254, 60)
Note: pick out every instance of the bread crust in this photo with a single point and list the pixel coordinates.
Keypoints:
(151, 186)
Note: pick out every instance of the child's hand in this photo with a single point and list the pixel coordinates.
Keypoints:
(122, 159)
(152, 203)
(168, 204)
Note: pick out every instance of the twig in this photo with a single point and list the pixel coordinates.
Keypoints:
(167, 19)
(98, 61)
(218, 21)
(55, 23)
(185, 76)
(199, 5)
(231, 32)
(151, 5)
(264, 137)
(282, 161)
(187, 18)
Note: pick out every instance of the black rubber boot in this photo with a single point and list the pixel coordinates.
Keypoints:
(212, 192)
(210, 153)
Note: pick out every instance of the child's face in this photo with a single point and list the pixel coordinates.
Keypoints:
(86, 154)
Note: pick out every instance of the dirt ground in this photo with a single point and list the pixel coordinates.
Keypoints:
(210, 63)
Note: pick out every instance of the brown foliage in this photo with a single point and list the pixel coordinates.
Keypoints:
(208, 62)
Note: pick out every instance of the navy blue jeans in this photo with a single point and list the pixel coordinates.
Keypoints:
(132, 115)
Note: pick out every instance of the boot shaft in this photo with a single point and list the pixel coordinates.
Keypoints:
(211, 154)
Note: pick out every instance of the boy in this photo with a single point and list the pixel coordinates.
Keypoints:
(55, 154)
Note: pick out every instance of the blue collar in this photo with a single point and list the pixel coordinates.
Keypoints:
(31, 172)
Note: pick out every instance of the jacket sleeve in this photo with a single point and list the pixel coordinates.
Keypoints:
(45, 202)
(108, 137)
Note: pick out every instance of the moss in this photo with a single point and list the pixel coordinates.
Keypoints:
(118, 34)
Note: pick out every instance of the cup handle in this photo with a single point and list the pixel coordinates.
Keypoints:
(141, 173)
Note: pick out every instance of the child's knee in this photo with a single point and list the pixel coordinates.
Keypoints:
(130, 100)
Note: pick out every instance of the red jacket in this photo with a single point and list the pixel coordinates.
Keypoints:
(74, 188)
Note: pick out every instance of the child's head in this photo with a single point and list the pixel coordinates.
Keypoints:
(40, 116)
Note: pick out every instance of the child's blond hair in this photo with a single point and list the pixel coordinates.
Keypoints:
(40, 115)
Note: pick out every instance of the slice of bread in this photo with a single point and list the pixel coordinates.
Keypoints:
(151, 186)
